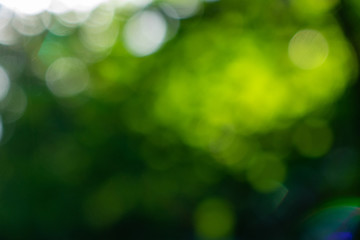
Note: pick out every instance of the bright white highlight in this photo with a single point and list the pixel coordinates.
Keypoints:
(144, 33)
(56, 6)
(60, 6)
(27, 7)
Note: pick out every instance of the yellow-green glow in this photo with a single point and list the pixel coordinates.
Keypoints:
(241, 86)
(215, 100)
(214, 219)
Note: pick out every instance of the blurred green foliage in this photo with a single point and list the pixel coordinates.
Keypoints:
(181, 120)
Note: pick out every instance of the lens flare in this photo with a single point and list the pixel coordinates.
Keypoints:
(337, 221)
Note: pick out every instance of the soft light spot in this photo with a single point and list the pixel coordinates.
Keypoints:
(8, 36)
(181, 8)
(310, 8)
(313, 139)
(60, 28)
(214, 219)
(15, 104)
(5, 16)
(266, 172)
(72, 18)
(135, 3)
(4, 83)
(100, 18)
(1, 128)
(233, 151)
(105, 206)
(99, 41)
(28, 25)
(308, 49)
(109, 202)
(67, 77)
(145, 33)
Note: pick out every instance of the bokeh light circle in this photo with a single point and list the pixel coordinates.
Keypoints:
(308, 49)
(67, 77)
(181, 8)
(145, 32)
(214, 219)
(4, 83)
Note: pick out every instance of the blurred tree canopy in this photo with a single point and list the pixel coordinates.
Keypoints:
(179, 119)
